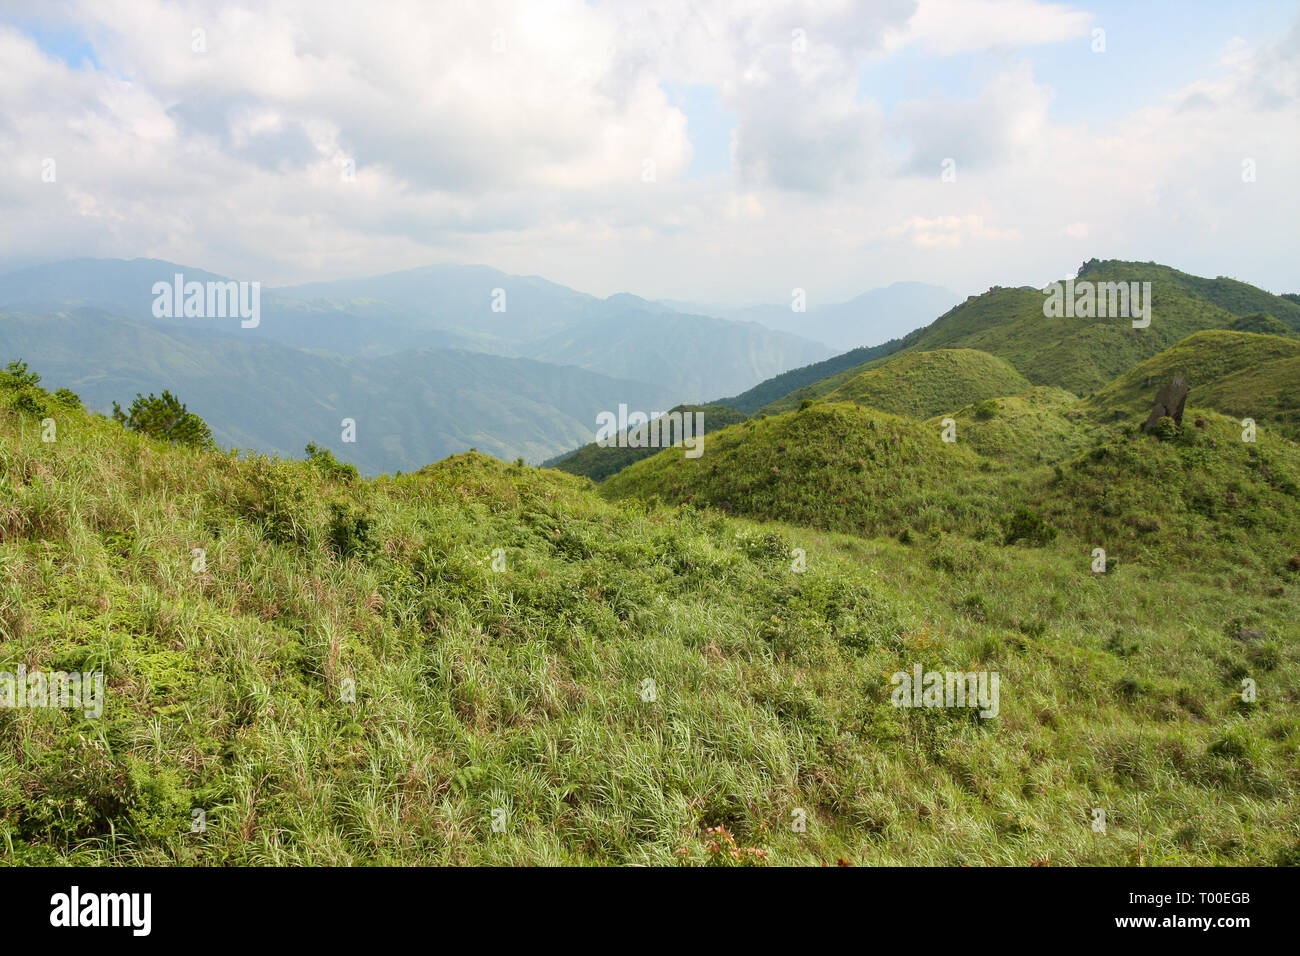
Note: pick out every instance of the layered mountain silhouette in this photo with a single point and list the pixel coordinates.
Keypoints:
(427, 361)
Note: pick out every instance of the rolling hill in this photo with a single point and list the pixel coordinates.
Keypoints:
(1206, 499)
(835, 466)
(922, 384)
(1238, 373)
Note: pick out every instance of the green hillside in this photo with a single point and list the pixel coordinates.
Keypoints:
(921, 384)
(1205, 500)
(1238, 373)
(1268, 393)
(833, 465)
(1261, 323)
(379, 671)
(793, 381)
(1039, 425)
(1080, 355)
(1077, 354)
(845, 468)
(597, 463)
(1240, 298)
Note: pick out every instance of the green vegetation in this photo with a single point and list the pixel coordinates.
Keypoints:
(1202, 497)
(592, 461)
(633, 677)
(1261, 323)
(797, 379)
(1078, 354)
(166, 418)
(1238, 373)
(835, 466)
(674, 667)
(921, 384)
(1037, 426)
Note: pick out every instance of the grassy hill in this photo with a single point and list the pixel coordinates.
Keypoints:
(1237, 373)
(620, 682)
(1040, 425)
(921, 384)
(833, 465)
(1205, 499)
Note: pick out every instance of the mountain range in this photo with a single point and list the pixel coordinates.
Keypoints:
(515, 365)
(1001, 343)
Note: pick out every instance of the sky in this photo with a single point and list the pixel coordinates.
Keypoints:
(725, 152)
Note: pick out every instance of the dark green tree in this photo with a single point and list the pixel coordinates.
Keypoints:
(17, 376)
(166, 418)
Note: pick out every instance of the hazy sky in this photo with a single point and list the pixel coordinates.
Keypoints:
(793, 144)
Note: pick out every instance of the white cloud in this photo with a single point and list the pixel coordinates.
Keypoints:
(530, 158)
(949, 230)
(956, 26)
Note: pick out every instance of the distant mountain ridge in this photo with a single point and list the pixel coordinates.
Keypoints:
(410, 408)
(863, 321)
(453, 306)
(1234, 341)
(438, 359)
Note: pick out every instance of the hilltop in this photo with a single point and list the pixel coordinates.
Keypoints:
(1239, 373)
(1077, 354)
(921, 384)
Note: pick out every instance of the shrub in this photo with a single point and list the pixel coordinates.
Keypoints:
(323, 460)
(67, 398)
(348, 531)
(27, 401)
(275, 496)
(1027, 526)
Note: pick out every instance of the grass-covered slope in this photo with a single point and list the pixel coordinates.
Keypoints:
(1078, 354)
(922, 384)
(1237, 373)
(832, 465)
(1205, 498)
(1039, 425)
(794, 380)
(611, 681)
(1261, 323)
(597, 463)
